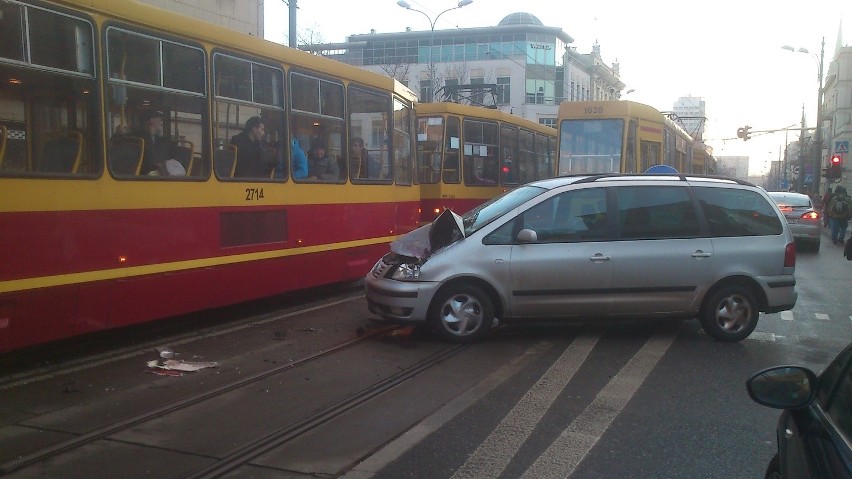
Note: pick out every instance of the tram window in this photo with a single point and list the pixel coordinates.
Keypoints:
(322, 140)
(11, 35)
(48, 118)
(60, 42)
(314, 95)
(318, 124)
(402, 142)
(183, 68)
(650, 151)
(480, 153)
(669, 149)
(515, 161)
(233, 122)
(430, 140)
(543, 157)
(590, 146)
(452, 143)
(368, 126)
(156, 107)
(249, 120)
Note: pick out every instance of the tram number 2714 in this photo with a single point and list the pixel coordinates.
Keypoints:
(254, 194)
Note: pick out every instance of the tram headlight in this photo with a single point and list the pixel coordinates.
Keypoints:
(406, 272)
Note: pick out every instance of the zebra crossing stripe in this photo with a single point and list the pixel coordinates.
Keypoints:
(494, 454)
(822, 316)
(786, 315)
(565, 454)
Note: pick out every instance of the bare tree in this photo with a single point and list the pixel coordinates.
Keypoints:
(398, 71)
(309, 37)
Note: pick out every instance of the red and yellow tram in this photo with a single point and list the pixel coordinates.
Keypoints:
(467, 155)
(127, 196)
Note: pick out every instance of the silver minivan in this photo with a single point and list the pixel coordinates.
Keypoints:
(585, 247)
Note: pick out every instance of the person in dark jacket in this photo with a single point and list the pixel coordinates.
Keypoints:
(251, 152)
(839, 209)
(321, 166)
(156, 146)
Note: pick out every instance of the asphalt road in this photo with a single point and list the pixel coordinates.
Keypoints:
(650, 399)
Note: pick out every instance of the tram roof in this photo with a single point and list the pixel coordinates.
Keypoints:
(170, 23)
(437, 108)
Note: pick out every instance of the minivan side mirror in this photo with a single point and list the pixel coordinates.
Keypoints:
(783, 387)
(527, 236)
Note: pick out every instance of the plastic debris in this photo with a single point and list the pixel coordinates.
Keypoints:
(166, 352)
(181, 365)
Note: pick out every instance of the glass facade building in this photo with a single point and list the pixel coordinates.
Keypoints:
(520, 65)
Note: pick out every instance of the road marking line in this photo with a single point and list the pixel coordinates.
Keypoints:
(786, 315)
(822, 316)
(494, 453)
(393, 450)
(565, 454)
(762, 336)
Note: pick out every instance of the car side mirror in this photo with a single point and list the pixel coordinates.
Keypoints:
(783, 387)
(527, 236)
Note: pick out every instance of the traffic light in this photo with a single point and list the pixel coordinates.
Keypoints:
(835, 166)
(744, 133)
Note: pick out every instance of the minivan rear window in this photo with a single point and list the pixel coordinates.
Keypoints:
(738, 212)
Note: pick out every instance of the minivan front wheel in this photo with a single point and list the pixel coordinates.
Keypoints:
(730, 314)
(462, 313)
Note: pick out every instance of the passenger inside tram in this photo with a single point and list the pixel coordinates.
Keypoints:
(321, 166)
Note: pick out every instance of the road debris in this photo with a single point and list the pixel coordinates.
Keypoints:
(181, 365)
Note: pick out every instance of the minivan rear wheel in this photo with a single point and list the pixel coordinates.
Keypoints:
(462, 313)
(730, 314)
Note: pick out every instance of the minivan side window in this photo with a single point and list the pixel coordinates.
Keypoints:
(654, 212)
(737, 212)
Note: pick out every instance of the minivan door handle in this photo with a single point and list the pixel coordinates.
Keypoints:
(700, 254)
(598, 257)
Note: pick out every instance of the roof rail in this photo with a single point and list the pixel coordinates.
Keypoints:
(589, 178)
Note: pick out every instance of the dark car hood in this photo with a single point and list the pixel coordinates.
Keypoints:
(447, 228)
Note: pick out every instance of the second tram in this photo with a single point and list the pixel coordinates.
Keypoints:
(467, 155)
(620, 137)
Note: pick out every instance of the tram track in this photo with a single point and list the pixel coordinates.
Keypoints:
(167, 337)
(141, 418)
(245, 454)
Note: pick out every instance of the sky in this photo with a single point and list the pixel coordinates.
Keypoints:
(726, 52)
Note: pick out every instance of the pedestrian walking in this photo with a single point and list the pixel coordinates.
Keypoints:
(838, 214)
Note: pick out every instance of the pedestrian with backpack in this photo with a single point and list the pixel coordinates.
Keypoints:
(838, 214)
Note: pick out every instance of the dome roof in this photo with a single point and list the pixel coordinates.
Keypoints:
(520, 18)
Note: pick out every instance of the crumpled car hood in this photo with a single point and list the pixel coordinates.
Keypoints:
(447, 228)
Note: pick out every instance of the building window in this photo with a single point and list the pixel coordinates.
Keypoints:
(451, 90)
(426, 90)
(504, 96)
(551, 122)
(477, 95)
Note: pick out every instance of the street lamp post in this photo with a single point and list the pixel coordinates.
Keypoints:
(818, 130)
(405, 5)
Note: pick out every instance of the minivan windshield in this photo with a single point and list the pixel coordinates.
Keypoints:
(487, 212)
